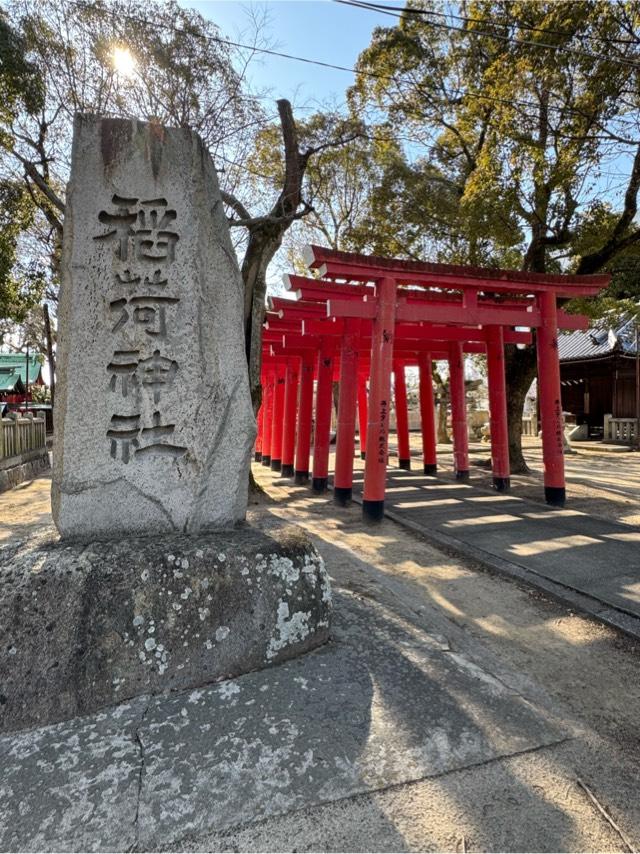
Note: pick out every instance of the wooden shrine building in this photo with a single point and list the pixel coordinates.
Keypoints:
(599, 372)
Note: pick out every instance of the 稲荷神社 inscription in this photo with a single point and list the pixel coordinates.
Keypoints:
(154, 425)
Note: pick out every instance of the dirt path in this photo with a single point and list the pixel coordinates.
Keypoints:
(585, 669)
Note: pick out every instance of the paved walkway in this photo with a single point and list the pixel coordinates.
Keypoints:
(590, 562)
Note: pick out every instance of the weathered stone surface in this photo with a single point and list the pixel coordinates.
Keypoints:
(154, 425)
(385, 703)
(85, 626)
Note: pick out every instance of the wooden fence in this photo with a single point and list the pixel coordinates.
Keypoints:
(21, 439)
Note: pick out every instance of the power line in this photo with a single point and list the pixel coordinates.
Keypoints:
(348, 69)
(375, 7)
(522, 26)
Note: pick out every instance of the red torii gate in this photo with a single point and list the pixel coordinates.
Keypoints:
(379, 315)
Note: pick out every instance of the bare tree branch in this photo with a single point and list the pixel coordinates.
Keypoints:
(238, 207)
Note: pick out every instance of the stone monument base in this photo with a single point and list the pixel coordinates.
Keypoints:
(84, 626)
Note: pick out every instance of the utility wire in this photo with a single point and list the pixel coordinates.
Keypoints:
(374, 7)
(348, 69)
(522, 26)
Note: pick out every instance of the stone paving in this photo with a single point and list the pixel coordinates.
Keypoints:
(381, 705)
(590, 557)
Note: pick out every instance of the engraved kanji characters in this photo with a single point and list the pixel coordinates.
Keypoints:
(124, 366)
(131, 279)
(125, 433)
(157, 371)
(142, 233)
(147, 311)
(122, 221)
(160, 432)
(145, 230)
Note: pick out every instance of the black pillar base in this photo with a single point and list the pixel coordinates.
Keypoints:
(319, 484)
(266, 460)
(430, 468)
(363, 455)
(342, 495)
(462, 475)
(373, 511)
(301, 477)
(287, 470)
(555, 495)
(502, 484)
(404, 464)
(258, 457)
(276, 465)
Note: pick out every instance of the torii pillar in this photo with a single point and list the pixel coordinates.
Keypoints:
(375, 468)
(362, 414)
(427, 414)
(289, 422)
(402, 415)
(278, 417)
(459, 411)
(347, 397)
(260, 419)
(324, 400)
(498, 408)
(305, 417)
(550, 400)
(267, 404)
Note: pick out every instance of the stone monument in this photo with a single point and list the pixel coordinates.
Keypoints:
(154, 424)
(156, 582)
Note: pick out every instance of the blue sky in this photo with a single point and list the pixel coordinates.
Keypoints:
(330, 32)
(317, 29)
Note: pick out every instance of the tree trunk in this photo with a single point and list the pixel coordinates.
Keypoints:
(443, 436)
(264, 242)
(520, 370)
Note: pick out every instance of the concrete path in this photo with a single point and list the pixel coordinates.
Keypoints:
(382, 705)
(589, 562)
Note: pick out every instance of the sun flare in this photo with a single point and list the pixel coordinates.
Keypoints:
(124, 61)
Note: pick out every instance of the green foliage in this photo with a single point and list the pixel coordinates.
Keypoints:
(21, 85)
(58, 59)
(183, 74)
(21, 286)
(509, 134)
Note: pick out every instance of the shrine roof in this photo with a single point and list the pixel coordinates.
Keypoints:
(16, 363)
(319, 257)
(11, 382)
(598, 343)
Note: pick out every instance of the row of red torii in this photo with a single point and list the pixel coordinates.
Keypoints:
(367, 317)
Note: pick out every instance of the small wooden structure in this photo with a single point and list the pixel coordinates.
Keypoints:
(599, 376)
(366, 318)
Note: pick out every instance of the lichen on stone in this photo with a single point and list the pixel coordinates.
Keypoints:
(291, 630)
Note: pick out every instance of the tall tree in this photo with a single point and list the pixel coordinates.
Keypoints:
(285, 167)
(21, 91)
(179, 70)
(515, 108)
